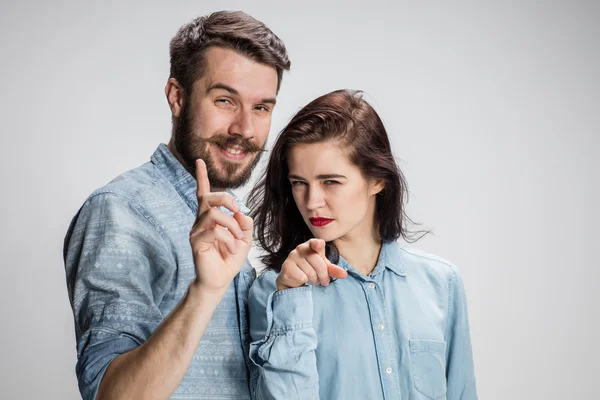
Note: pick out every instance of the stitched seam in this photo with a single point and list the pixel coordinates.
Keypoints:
(134, 205)
(280, 293)
(450, 296)
(446, 263)
(284, 330)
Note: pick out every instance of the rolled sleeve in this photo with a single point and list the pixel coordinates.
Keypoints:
(96, 350)
(291, 309)
(284, 341)
(117, 268)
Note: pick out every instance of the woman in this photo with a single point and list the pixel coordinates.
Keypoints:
(393, 325)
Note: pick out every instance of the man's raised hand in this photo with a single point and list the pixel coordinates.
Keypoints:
(220, 242)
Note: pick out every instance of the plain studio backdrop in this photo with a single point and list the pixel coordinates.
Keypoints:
(493, 111)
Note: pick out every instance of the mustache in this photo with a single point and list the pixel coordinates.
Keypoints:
(225, 141)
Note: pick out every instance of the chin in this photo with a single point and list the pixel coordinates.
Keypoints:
(326, 236)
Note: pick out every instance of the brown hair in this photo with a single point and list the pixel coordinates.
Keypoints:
(232, 30)
(343, 117)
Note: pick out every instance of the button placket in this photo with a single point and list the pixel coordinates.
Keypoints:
(378, 326)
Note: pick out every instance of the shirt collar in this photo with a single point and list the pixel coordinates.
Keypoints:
(183, 182)
(388, 258)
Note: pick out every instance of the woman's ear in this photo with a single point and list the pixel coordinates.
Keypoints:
(376, 187)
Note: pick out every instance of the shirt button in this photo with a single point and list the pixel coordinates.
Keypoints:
(372, 286)
(380, 327)
(388, 370)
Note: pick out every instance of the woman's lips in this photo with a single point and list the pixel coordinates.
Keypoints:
(320, 221)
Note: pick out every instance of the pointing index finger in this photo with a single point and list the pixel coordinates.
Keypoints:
(318, 246)
(202, 179)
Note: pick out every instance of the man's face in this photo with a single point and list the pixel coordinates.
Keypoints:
(227, 118)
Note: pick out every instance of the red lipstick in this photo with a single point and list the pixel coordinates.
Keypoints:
(320, 221)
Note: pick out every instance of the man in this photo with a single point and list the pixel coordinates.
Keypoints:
(155, 262)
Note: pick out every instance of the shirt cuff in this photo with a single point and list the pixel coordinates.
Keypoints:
(291, 309)
(98, 350)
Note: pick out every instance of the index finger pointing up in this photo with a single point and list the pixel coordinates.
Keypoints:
(202, 179)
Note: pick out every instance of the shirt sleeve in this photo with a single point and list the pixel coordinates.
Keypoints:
(117, 268)
(283, 341)
(460, 373)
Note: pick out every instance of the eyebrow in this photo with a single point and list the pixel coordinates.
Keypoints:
(325, 176)
(222, 86)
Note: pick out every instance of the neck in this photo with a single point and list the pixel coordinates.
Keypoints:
(173, 149)
(361, 254)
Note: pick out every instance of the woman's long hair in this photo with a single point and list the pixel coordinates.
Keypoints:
(343, 118)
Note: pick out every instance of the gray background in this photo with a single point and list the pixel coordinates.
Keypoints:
(493, 110)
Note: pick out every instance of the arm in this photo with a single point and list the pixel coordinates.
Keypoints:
(283, 341)
(118, 267)
(281, 313)
(460, 373)
(155, 369)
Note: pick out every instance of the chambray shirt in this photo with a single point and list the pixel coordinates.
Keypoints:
(400, 333)
(129, 262)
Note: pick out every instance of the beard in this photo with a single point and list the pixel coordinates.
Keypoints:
(191, 147)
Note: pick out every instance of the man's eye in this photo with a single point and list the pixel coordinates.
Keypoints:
(330, 182)
(261, 108)
(223, 101)
(298, 183)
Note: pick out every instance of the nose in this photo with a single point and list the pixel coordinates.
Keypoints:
(242, 125)
(314, 198)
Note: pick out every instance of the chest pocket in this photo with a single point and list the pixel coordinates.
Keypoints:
(428, 364)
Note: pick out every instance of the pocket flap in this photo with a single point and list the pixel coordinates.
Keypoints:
(430, 346)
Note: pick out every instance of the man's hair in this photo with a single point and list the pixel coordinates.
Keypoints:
(232, 30)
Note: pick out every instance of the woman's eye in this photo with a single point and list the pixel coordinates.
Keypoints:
(297, 183)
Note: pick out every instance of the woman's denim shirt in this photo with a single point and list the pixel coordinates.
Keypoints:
(400, 333)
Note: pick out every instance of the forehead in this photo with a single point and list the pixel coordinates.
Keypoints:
(314, 159)
(248, 77)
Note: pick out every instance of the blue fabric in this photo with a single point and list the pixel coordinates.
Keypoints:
(400, 333)
(129, 262)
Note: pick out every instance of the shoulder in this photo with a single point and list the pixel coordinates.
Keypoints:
(135, 195)
(423, 265)
(132, 185)
(429, 273)
(118, 204)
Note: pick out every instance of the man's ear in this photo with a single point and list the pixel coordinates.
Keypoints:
(376, 187)
(174, 93)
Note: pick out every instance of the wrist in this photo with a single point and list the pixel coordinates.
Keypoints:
(281, 286)
(200, 296)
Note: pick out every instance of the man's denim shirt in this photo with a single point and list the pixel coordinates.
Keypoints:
(129, 262)
(400, 333)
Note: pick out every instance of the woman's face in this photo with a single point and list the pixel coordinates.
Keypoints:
(334, 198)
